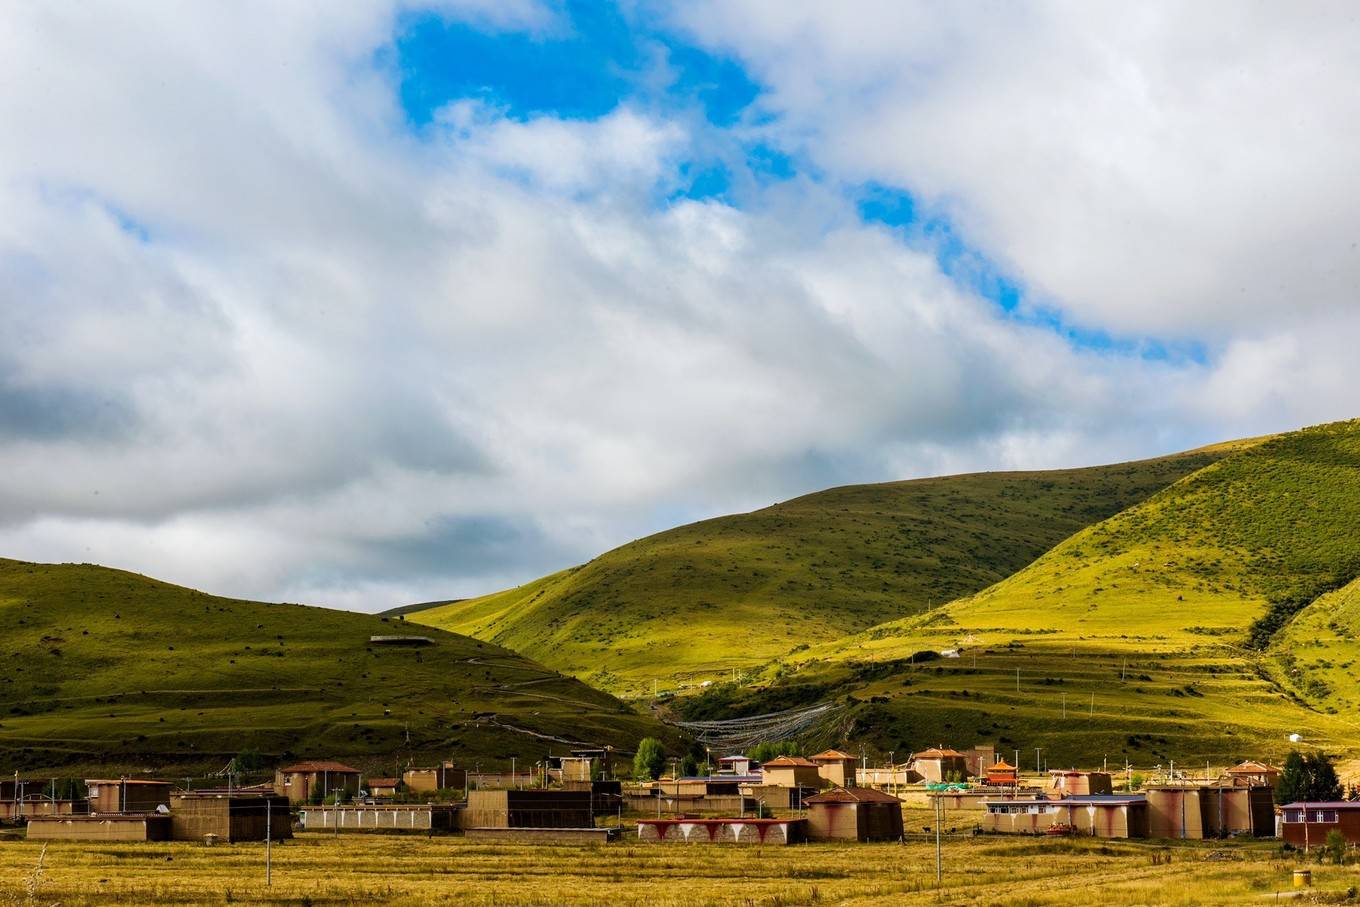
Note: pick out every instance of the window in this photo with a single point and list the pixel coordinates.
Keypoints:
(1293, 815)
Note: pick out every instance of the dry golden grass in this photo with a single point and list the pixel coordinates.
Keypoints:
(374, 869)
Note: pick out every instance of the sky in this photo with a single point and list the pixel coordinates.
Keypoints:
(389, 301)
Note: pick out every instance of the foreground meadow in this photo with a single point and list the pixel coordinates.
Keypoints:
(321, 870)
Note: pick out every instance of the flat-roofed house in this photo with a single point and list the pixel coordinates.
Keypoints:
(301, 781)
(444, 776)
(836, 767)
(126, 795)
(940, 764)
(790, 771)
(854, 814)
(1074, 783)
(229, 817)
(737, 765)
(1306, 824)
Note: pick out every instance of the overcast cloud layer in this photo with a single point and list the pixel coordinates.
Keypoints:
(265, 336)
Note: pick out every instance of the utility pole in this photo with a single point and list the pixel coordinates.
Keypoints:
(939, 854)
(268, 840)
(1038, 769)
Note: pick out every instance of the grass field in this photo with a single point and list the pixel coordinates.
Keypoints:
(319, 870)
(1143, 623)
(730, 593)
(111, 669)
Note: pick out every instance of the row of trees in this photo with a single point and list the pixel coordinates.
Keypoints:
(651, 757)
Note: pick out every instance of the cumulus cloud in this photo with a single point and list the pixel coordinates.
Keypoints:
(1174, 169)
(265, 338)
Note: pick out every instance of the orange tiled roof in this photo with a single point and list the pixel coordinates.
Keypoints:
(834, 755)
(789, 762)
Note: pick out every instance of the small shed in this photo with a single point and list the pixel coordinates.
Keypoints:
(530, 809)
(854, 814)
(736, 765)
(229, 817)
(836, 767)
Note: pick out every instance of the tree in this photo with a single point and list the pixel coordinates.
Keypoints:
(1308, 778)
(764, 752)
(649, 760)
(689, 766)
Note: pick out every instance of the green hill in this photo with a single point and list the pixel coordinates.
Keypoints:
(113, 669)
(730, 593)
(1210, 621)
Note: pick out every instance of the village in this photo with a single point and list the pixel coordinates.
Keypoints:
(586, 796)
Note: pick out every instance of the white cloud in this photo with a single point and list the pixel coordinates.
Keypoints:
(1174, 169)
(273, 343)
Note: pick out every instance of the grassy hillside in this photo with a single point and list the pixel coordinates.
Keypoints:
(1171, 630)
(733, 592)
(111, 668)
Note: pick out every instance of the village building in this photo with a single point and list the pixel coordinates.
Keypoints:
(791, 771)
(722, 831)
(106, 827)
(1074, 783)
(1305, 825)
(836, 768)
(534, 808)
(854, 814)
(1002, 774)
(764, 797)
(979, 758)
(1252, 773)
(302, 781)
(383, 787)
(228, 818)
(737, 765)
(444, 776)
(127, 795)
(890, 776)
(570, 768)
(1101, 815)
(940, 764)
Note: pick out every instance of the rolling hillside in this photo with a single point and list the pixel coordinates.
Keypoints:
(730, 593)
(1207, 622)
(110, 668)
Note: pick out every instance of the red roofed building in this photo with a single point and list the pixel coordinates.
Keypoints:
(1254, 774)
(854, 814)
(1003, 774)
(302, 781)
(791, 771)
(836, 767)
